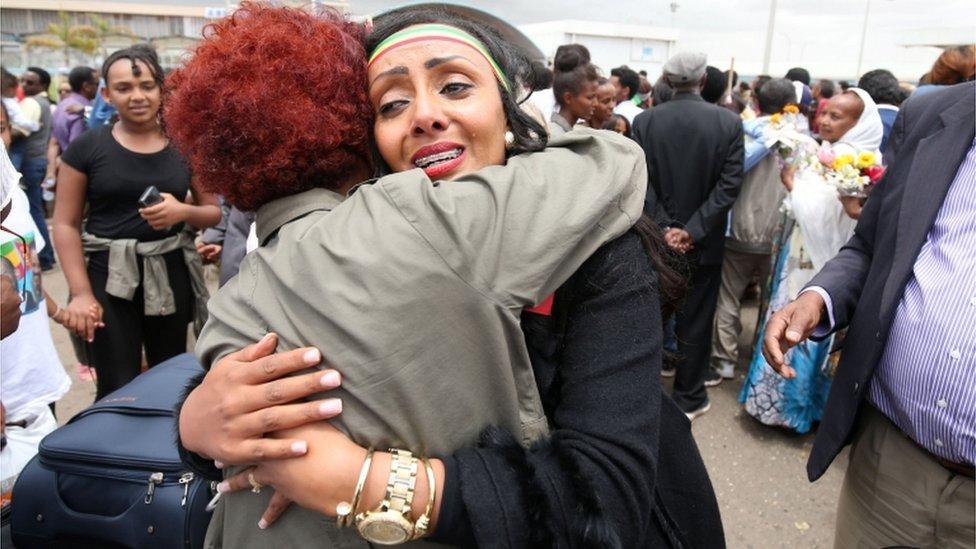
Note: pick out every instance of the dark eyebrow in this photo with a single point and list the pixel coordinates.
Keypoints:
(431, 63)
(395, 71)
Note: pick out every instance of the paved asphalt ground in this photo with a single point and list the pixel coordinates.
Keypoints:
(758, 472)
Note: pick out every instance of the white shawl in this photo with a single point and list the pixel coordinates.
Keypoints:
(867, 133)
(814, 204)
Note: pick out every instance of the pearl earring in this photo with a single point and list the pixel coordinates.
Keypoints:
(509, 139)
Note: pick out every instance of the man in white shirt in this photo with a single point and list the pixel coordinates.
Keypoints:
(627, 83)
(31, 374)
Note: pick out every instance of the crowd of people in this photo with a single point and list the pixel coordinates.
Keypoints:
(487, 265)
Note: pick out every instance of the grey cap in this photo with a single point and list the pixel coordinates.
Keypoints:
(685, 67)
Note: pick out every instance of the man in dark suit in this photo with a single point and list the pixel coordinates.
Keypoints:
(694, 158)
(905, 388)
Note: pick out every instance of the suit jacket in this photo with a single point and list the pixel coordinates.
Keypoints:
(867, 278)
(694, 156)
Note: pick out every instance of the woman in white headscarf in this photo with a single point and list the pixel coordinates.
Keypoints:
(815, 227)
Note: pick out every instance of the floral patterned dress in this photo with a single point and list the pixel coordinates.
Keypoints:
(813, 229)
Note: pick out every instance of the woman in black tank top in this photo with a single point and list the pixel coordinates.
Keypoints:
(107, 170)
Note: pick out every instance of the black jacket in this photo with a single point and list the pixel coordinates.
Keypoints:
(620, 468)
(694, 156)
(867, 278)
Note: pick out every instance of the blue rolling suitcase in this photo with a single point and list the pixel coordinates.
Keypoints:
(112, 477)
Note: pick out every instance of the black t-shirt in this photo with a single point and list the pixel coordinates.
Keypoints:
(117, 177)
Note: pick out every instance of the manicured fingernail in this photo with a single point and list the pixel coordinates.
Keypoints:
(330, 407)
(223, 487)
(262, 524)
(267, 336)
(793, 334)
(312, 356)
(330, 379)
(299, 447)
(219, 464)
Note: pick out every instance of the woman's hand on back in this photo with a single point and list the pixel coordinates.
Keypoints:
(318, 481)
(249, 393)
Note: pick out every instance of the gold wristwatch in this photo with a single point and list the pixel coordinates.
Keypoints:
(390, 524)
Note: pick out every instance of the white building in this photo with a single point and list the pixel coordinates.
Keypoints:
(173, 27)
(640, 47)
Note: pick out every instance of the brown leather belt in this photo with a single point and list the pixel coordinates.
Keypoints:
(953, 467)
(957, 468)
(963, 469)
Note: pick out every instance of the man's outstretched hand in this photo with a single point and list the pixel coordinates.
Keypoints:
(788, 327)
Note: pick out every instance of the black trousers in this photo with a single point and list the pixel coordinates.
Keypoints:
(693, 329)
(116, 353)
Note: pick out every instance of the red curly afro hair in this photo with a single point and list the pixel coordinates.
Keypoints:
(273, 102)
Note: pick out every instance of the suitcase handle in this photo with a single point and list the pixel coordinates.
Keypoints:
(122, 409)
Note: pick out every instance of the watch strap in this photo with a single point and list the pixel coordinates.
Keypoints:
(402, 481)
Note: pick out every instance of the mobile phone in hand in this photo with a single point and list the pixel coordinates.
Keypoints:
(150, 197)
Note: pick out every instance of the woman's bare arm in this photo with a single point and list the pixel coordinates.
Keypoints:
(205, 210)
(68, 210)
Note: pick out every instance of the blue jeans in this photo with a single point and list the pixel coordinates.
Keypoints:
(670, 341)
(33, 171)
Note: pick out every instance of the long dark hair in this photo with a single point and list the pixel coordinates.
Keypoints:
(529, 135)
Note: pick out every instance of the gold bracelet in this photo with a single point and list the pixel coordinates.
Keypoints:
(423, 523)
(345, 510)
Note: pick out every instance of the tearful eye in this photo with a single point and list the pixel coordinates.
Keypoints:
(390, 107)
(454, 88)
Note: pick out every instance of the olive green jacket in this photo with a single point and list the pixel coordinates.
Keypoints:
(413, 291)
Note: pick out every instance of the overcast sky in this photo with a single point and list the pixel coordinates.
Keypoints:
(822, 35)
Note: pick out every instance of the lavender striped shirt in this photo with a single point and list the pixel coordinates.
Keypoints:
(926, 379)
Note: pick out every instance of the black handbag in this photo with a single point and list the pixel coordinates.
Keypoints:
(112, 477)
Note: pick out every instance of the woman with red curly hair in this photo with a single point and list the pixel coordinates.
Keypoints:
(413, 286)
(315, 132)
(134, 277)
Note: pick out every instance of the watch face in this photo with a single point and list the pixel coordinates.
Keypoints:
(384, 532)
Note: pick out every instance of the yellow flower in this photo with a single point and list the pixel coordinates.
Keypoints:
(843, 160)
(775, 118)
(792, 109)
(865, 159)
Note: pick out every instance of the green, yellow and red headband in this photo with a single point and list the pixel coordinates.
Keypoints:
(435, 31)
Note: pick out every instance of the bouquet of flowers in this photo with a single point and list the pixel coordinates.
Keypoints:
(852, 172)
(784, 135)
